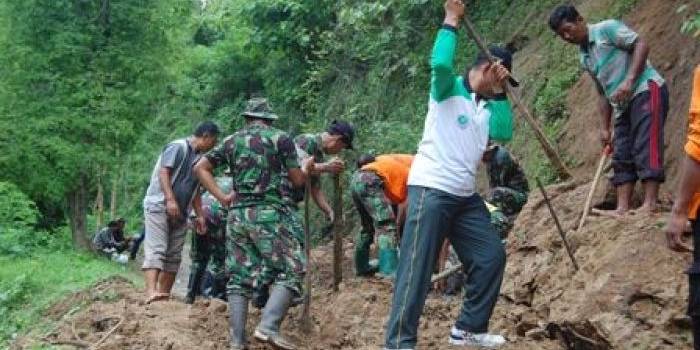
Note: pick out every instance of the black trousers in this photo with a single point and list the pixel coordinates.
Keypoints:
(694, 287)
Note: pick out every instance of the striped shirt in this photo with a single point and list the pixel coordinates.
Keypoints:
(608, 56)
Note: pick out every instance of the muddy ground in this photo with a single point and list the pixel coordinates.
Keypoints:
(630, 293)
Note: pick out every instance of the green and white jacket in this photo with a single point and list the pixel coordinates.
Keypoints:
(457, 127)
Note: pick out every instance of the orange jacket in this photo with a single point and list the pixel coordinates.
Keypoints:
(692, 146)
(393, 169)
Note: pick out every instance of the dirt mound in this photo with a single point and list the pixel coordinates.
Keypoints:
(114, 317)
(630, 291)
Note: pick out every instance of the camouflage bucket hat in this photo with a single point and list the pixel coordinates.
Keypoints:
(259, 108)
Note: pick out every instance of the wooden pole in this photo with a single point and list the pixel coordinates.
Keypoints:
(306, 313)
(591, 192)
(554, 158)
(556, 222)
(337, 235)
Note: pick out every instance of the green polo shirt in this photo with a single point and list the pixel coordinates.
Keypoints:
(608, 56)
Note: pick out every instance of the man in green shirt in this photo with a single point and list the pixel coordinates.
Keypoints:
(464, 112)
(629, 89)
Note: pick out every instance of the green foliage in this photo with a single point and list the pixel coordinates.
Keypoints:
(16, 209)
(29, 285)
(692, 25)
(18, 218)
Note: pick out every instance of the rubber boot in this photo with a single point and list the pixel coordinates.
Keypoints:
(238, 315)
(362, 247)
(388, 256)
(273, 314)
(193, 286)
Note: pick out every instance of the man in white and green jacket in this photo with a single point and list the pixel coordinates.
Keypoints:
(464, 112)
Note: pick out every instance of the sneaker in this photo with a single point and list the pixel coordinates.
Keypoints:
(189, 299)
(464, 338)
(274, 339)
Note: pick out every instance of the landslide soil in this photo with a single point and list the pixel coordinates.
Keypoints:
(630, 293)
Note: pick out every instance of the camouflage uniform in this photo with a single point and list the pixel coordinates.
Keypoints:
(209, 250)
(308, 145)
(263, 230)
(376, 214)
(508, 187)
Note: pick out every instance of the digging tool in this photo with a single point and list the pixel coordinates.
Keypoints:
(556, 221)
(337, 235)
(306, 313)
(594, 185)
(562, 171)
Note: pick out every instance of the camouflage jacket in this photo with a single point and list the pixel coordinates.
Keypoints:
(214, 211)
(259, 158)
(309, 145)
(504, 171)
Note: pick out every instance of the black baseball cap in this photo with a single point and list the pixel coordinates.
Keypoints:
(501, 54)
(344, 129)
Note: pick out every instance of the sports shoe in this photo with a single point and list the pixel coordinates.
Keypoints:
(464, 338)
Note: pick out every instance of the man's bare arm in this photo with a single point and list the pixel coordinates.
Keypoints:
(688, 186)
(321, 201)
(204, 171)
(171, 206)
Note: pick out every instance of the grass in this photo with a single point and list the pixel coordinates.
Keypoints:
(30, 284)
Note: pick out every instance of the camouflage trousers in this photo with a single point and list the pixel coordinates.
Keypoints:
(208, 252)
(376, 215)
(509, 203)
(264, 248)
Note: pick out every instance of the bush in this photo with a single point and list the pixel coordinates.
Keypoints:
(18, 219)
(16, 209)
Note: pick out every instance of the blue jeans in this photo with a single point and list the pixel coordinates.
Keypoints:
(434, 215)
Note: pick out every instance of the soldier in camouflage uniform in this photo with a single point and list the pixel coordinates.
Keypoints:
(338, 136)
(508, 187)
(377, 187)
(209, 250)
(263, 230)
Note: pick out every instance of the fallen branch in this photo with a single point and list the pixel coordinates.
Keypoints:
(76, 343)
(108, 334)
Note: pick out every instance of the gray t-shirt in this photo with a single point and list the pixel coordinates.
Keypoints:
(180, 157)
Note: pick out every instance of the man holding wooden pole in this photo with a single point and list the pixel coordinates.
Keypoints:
(464, 112)
(633, 101)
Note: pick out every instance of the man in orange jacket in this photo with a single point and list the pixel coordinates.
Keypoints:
(686, 207)
(378, 186)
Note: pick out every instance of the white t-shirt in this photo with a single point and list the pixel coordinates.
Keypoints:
(454, 139)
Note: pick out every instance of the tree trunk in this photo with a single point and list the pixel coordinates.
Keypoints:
(77, 214)
(100, 201)
(113, 199)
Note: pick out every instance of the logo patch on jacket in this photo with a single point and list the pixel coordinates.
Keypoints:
(462, 121)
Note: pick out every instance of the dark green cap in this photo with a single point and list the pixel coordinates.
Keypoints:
(259, 108)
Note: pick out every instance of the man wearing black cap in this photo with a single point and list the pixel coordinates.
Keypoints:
(338, 136)
(463, 113)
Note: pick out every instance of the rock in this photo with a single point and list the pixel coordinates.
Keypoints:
(536, 334)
